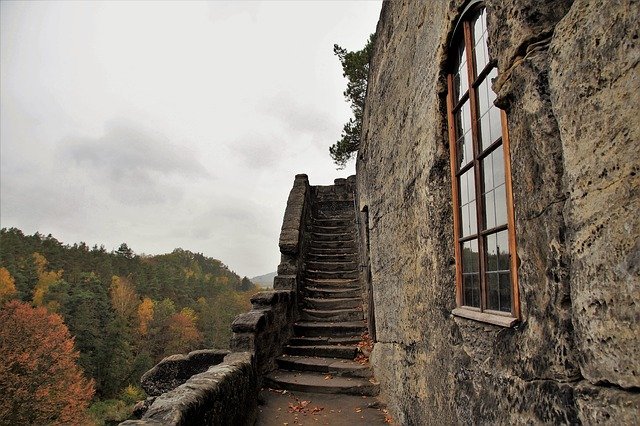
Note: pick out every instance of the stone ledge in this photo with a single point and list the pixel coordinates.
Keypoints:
(270, 298)
(174, 370)
(224, 394)
(252, 321)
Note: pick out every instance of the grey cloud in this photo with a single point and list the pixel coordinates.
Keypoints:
(303, 119)
(137, 166)
(257, 152)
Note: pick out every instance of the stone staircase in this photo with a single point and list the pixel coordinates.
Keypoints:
(320, 357)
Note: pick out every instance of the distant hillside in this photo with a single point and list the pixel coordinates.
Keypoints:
(265, 280)
(126, 311)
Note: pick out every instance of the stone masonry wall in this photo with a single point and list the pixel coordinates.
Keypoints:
(568, 82)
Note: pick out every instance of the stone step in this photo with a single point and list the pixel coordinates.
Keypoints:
(332, 293)
(328, 329)
(332, 236)
(332, 282)
(331, 275)
(326, 351)
(339, 214)
(331, 256)
(342, 303)
(334, 367)
(350, 222)
(321, 229)
(320, 383)
(334, 315)
(314, 341)
(348, 244)
(344, 266)
(322, 252)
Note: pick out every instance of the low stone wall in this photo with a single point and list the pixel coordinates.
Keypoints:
(269, 325)
(174, 370)
(225, 394)
(266, 328)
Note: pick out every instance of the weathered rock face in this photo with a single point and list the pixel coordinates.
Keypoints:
(568, 82)
(595, 86)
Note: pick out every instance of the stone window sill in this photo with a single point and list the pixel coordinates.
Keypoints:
(495, 319)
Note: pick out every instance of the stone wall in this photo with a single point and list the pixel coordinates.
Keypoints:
(568, 81)
(268, 326)
(174, 370)
(225, 394)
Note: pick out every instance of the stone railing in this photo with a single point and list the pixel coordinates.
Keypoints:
(200, 389)
(269, 325)
(225, 394)
(174, 370)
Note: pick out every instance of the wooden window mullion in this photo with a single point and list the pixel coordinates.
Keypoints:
(453, 155)
(468, 42)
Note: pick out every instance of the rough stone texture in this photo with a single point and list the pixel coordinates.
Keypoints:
(600, 405)
(438, 369)
(595, 83)
(293, 216)
(225, 394)
(266, 328)
(174, 370)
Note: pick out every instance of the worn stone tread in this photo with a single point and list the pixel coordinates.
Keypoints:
(338, 367)
(330, 340)
(321, 383)
(331, 293)
(328, 351)
(350, 314)
(332, 282)
(317, 328)
(334, 303)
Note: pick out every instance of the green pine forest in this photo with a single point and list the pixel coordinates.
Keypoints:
(125, 311)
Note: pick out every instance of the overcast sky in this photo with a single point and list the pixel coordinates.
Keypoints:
(169, 125)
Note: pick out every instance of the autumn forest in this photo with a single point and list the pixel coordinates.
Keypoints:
(104, 318)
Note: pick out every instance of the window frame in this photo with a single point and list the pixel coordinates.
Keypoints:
(463, 36)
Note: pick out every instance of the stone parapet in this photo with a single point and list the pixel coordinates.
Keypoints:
(174, 370)
(225, 394)
(266, 328)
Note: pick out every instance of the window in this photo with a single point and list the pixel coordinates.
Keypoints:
(486, 279)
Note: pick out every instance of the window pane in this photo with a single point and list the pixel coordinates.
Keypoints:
(484, 98)
(479, 52)
(470, 259)
(488, 172)
(489, 79)
(491, 253)
(479, 40)
(464, 146)
(505, 292)
(471, 290)
(502, 249)
(490, 210)
(493, 291)
(468, 215)
(496, 124)
(501, 205)
(490, 127)
(467, 187)
(498, 166)
(461, 77)
(479, 26)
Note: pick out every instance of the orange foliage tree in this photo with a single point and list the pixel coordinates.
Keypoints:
(7, 285)
(145, 315)
(40, 381)
(184, 335)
